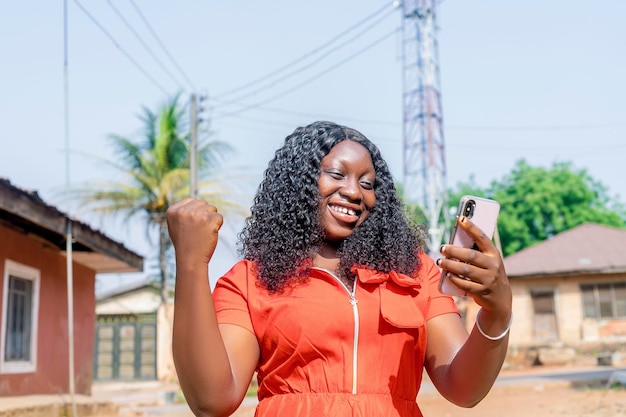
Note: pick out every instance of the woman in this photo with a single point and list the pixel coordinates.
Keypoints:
(335, 304)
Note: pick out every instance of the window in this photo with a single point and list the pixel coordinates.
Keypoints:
(20, 301)
(545, 325)
(604, 300)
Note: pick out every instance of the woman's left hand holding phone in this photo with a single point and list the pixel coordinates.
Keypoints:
(487, 281)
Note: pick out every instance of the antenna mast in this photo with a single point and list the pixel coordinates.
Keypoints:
(424, 150)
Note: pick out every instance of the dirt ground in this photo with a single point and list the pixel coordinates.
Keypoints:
(534, 401)
(524, 401)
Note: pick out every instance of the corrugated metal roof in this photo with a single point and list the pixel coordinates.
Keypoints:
(583, 249)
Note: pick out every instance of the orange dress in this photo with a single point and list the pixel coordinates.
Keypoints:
(330, 350)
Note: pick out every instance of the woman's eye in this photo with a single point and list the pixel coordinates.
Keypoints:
(367, 185)
(336, 175)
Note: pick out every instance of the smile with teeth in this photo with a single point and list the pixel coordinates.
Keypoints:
(343, 210)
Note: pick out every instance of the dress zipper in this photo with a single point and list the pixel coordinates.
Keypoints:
(355, 312)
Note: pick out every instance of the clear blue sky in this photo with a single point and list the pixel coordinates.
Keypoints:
(540, 80)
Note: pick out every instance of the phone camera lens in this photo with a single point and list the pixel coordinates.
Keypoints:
(469, 209)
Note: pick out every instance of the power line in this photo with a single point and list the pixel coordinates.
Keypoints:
(303, 57)
(117, 45)
(522, 128)
(143, 43)
(325, 116)
(508, 147)
(539, 127)
(303, 68)
(162, 45)
(307, 81)
(586, 149)
(279, 127)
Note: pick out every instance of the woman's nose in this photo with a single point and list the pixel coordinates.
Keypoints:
(351, 189)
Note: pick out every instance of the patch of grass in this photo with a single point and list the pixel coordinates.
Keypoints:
(598, 384)
(252, 390)
(179, 397)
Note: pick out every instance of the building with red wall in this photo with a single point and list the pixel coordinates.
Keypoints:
(34, 333)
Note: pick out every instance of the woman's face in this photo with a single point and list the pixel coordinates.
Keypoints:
(346, 187)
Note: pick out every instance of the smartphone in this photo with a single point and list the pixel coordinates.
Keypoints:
(483, 212)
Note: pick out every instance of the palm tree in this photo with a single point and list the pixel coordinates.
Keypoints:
(156, 170)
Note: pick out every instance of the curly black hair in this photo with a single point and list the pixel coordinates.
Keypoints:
(283, 230)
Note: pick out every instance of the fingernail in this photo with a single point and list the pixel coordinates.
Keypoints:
(462, 219)
(438, 261)
(442, 248)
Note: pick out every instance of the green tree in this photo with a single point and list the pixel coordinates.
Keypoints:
(537, 203)
(415, 214)
(155, 173)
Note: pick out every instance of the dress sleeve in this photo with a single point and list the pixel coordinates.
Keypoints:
(439, 303)
(230, 296)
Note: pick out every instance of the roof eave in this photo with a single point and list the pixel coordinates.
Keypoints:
(27, 213)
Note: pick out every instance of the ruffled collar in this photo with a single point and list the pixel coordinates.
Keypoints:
(370, 276)
(398, 292)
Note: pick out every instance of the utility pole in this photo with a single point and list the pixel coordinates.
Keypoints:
(196, 109)
(193, 147)
(69, 269)
(423, 140)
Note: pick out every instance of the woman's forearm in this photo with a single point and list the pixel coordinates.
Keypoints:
(200, 356)
(475, 367)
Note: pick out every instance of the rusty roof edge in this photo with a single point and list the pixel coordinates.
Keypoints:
(14, 199)
(569, 273)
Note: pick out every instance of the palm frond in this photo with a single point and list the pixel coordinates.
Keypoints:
(128, 151)
(154, 170)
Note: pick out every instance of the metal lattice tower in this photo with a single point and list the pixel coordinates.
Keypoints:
(424, 151)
